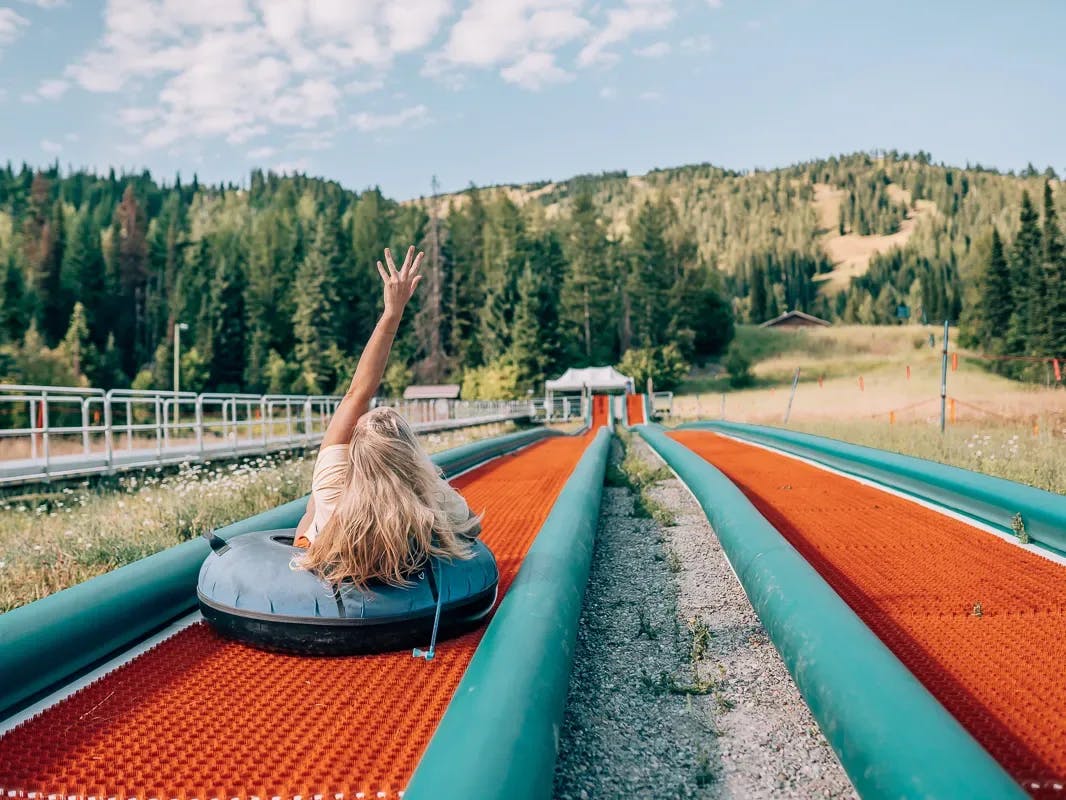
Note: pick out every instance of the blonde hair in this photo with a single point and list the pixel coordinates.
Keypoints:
(393, 513)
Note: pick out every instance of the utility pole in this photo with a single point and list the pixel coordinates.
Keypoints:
(944, 380)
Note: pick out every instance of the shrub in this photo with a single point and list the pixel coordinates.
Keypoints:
(664, 365)
(738, 365)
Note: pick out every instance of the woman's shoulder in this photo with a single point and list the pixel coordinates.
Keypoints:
(331, 464)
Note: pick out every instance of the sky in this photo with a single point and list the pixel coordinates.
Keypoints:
(393, 92)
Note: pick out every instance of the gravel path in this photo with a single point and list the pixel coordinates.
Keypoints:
(676, 690)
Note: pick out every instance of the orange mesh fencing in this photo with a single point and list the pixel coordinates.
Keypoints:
(202, 717)
(979, 621)
(634, 409)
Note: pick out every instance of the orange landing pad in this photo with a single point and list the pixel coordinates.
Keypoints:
(202, 717)
(916, 578)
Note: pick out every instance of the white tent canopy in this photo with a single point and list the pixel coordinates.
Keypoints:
(594, 379)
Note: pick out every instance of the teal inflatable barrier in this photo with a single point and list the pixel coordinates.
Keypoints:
(499, 735)
(45, 643)
(993, 501)
(894, 739)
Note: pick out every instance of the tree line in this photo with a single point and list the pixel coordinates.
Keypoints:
(277, 284)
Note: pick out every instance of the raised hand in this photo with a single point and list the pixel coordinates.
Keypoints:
(400, 283)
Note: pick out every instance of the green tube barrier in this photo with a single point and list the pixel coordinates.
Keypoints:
(45, 643)
(498, 737)
(894, 739)
(993, 501)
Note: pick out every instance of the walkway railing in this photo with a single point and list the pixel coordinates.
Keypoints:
(51, 432)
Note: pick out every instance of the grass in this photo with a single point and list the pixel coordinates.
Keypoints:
(1004, 452)
(880, 386)
(53, 538)
(665, 683)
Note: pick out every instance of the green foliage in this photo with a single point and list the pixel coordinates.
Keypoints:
(278, 284)
(664, 365)
(738, 364)
(499, 380)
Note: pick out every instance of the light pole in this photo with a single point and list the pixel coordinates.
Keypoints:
(178, 328)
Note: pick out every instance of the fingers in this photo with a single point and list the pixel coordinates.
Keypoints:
(389, 261)
(381, 271)
(415, 267)
(415, 282)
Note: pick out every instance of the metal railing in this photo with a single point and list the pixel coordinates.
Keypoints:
(662, 403)
(49, 432)
(560, 409)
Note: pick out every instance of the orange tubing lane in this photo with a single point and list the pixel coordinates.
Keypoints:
(201, 717)
(979, 621)
(634, 409)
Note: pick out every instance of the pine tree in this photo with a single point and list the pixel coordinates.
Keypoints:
(1026, 282)
(653, 267)
(996, 298)
(14, 313)
(86, 270)
(76, 344)
(1054, 282)
(315, 318)
(504, 253)
(590, 292)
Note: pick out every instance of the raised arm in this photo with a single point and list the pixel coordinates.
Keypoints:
(400, 284)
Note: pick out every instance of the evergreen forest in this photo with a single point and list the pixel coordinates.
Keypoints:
(276, 281)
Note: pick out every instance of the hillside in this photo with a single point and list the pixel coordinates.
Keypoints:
(277, 280)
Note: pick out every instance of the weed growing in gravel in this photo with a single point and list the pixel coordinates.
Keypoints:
(705, 774)
(665, 683)
(701, 638)
(644, 626)
(673, 562)
(1017, 524)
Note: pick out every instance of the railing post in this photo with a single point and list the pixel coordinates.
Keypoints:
(166, 422)
(307, 419)
(129, 424)
(85, 426)
(109, 442)
(33, 429)
(158, 404)
(263, 420)
(44, 427)
(200, 425)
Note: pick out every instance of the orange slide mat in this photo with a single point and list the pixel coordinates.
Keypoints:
(634, 409)
(201, 717)
(979, 621)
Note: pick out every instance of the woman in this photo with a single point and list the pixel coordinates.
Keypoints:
(379, 507)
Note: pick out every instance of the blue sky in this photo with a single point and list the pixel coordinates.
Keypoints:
(391, 92)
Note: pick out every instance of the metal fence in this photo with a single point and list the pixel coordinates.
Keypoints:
(51, 432)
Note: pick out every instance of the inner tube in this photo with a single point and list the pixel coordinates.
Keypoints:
(248, 591)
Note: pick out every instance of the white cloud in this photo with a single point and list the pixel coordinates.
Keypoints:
(292, 167)
(634, 17)
(366, 122)
(656, 50)
(12, 24)
(53, 88)
(697, 44)
(608, 92)
(365, 86)
(46, 3)
(236, 69)
(72, 137)
(534, 71)
(516, 36)
(262, 152)
(715, 4)
(51, 147)
(650, 96)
